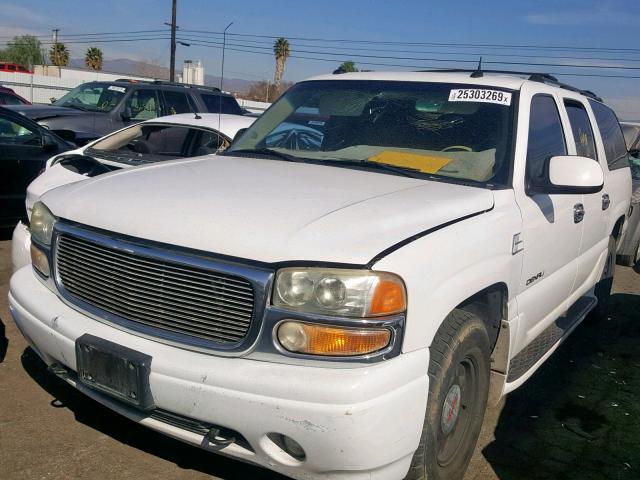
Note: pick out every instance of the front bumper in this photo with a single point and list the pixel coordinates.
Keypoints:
(353, 423)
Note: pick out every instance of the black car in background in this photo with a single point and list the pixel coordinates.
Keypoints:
(95, 109)
(25, 147)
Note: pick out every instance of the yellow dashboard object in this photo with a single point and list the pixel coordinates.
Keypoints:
(423, 163)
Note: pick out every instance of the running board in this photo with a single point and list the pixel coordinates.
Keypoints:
(554, 333)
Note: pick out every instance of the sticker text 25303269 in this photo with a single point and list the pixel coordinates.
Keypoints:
(480, 95)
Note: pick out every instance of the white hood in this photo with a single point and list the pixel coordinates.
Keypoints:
(266, 210)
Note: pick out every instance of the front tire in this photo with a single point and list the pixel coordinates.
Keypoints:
(459, 370)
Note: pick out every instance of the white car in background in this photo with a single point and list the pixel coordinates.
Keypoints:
(160, 139)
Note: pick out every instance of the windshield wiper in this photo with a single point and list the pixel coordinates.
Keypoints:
(404, 171)
(266, 151)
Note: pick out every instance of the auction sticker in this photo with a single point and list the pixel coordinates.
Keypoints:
(480, 95)
(117, 89)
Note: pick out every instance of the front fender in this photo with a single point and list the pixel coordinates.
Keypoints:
(446, 267)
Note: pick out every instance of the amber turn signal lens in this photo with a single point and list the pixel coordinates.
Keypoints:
(388, 297)
(39, 261)
(312, 339)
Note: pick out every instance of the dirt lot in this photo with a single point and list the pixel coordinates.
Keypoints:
(578, 417)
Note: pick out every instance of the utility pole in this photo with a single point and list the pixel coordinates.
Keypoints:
(172, 68)
(224, 44)
(55, 41)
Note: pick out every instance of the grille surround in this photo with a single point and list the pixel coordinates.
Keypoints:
(218, 319)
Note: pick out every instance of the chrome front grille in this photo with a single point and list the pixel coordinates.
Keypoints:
(156, 292)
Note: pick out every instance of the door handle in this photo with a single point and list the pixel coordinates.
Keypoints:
(606, 201)
(578, 213)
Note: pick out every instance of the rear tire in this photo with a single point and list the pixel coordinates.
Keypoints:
(459, 371)
(603, 288)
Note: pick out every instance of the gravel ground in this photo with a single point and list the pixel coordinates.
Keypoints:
(578, 417)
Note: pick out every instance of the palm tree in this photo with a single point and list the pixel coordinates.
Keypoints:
(281, 51)
(93, 58)
(346, 67)
(59, 55)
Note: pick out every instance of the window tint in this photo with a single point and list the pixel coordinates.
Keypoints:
(12, 133)
(176, 102)
(612, 137)
(581, 128)
(12, 68)
(546, 138)
(143, 104)
(221, 104)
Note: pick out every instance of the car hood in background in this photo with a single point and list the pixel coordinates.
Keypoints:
(40, 112)
(266, 210)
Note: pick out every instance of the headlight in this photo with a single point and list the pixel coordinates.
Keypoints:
(351, 293)
(41, 224)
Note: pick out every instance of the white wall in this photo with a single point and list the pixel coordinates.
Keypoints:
(41, 88)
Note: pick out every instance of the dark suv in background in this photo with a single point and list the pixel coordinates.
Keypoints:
(94, 109)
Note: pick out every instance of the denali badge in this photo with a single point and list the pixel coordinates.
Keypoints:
(534, 278)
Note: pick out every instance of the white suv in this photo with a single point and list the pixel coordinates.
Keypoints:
(340, 294)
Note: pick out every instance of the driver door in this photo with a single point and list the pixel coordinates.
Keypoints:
(552, 227)
(21, 159)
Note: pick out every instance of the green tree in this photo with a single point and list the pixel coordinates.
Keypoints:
(93, 58)
(281, 51)
(59, 55)
(24, 50)
(345, 67)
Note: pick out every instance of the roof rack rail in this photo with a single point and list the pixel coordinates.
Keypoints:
(166, 82)
(532, 76)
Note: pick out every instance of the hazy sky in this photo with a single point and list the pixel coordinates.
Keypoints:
(602, 24)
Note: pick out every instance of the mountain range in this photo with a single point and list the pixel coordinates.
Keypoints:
(148, 69)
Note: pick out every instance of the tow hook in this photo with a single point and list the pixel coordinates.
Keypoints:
(215, 438)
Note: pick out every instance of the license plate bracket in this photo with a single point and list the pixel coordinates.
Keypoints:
(118, 371)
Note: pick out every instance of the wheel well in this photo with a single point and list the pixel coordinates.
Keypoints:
(617, 228)
(490, 305)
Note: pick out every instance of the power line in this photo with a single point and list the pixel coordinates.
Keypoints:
(376, 64)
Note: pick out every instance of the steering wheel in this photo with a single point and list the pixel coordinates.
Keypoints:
(457, 148)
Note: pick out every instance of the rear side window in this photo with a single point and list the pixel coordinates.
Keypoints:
(221, 104)
(546, 138)
(614, 145)
(176, 102)
(581, 129)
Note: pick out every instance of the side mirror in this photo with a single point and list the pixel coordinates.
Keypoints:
(574, 174)
(239, 134)
(568, 174)
(126, 114)
(49, 144)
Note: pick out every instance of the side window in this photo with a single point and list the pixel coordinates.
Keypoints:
(207, 143)
(12, 133)
(221, 104)
(176, 102)
(12, 68)
(581, 128)
(143, 104)
(614, 145)
(546, 138)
